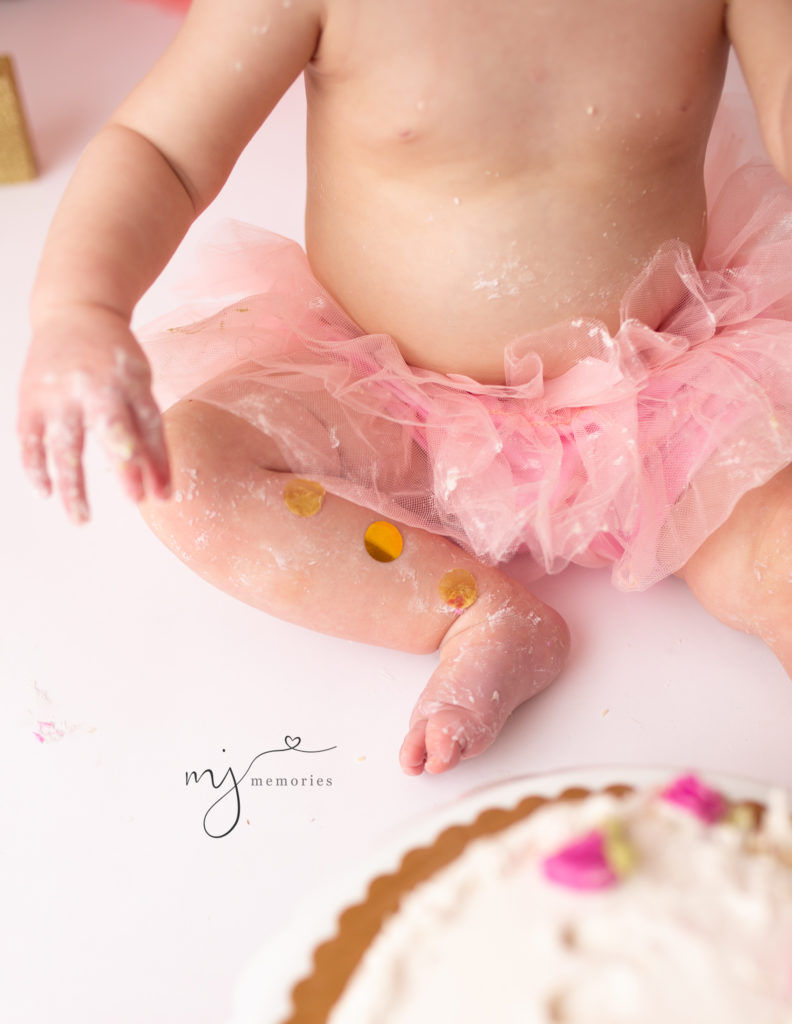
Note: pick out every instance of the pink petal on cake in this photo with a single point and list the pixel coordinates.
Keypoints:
(690, 792)
(582, 864)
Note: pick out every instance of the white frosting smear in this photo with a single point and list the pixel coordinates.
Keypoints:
(700, 931)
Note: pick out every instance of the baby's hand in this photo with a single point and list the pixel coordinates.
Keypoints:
(85, 372)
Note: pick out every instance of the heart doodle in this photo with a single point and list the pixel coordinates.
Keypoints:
(292, 742)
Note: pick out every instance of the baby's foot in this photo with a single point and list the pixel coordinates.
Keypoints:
(491, 661)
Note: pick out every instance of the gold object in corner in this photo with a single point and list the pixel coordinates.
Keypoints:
(16, 154)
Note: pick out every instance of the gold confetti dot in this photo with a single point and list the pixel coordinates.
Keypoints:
(383, 541)
(743, 817)
(619, 852)
(16, 155)
(458, 589)
(303, 497)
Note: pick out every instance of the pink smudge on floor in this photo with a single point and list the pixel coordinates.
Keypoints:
(50, 729)
(49, 732)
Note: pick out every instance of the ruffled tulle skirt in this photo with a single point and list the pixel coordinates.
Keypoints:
(631, 458)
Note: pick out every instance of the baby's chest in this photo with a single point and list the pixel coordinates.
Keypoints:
(538, 70)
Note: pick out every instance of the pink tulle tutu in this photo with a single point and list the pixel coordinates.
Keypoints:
(630, 458)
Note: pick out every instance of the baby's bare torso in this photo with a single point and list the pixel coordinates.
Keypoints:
(479, 169)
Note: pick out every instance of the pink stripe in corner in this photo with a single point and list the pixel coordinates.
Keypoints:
(169, 5)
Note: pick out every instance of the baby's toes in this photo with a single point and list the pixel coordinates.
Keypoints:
(434, 743)
(451, 734)
(412, 755)
(439, 741)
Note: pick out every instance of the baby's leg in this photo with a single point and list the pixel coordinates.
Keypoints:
(230, 522)
(742, 574)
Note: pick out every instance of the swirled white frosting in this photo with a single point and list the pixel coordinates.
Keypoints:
(700, 931)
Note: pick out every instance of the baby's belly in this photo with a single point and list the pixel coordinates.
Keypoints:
(454, 273)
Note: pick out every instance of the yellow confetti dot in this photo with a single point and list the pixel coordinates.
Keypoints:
(619, 852)
(303, 497)
(458, 589)
(383, 541)
(742, 817)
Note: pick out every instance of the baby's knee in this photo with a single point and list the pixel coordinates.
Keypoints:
(216, 442)
(772, 577)
(772, 561)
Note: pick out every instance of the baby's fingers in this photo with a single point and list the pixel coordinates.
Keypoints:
(117, 433)
(132, 438)
(34, 453)
(65, 437)
(157, 463)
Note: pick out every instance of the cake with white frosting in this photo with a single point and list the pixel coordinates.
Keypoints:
(668, 905)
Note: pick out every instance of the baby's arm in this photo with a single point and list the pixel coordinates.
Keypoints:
(761, 33)
(159, 162)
